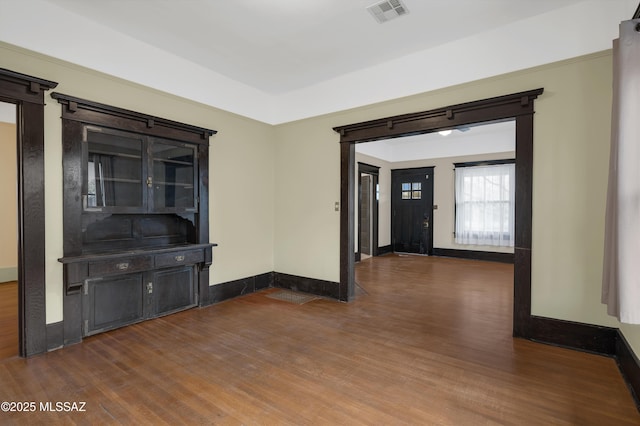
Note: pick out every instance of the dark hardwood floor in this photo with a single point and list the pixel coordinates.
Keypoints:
(427, 341)
(8, 319)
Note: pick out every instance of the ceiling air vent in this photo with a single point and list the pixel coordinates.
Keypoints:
(387, 10)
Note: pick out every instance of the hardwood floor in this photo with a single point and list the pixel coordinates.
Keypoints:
(8, 319)
(427, 341)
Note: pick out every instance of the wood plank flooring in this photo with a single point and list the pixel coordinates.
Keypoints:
(427, 341)
(8, 319)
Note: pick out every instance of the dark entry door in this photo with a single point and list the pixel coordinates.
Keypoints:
(412, 207)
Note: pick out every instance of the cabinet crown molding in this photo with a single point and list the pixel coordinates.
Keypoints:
(86, 111)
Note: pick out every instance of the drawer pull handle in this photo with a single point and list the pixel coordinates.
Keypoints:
(179, 258)
(122, 266)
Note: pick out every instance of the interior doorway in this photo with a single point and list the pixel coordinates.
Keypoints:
(366, 209)
(417, 189)
(516, 106)
(368, 189)
(9, 344)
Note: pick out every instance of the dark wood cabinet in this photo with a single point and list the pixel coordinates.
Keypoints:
(122, 288)
(135, 217)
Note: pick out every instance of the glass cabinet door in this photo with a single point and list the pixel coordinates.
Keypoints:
(174, 176)
(115, 171)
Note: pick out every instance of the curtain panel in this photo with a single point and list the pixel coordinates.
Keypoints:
(485, 208)
(621, 266)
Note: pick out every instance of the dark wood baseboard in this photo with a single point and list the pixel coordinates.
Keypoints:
(380, 251)
(224, 291)
(596, 339)
(629, 366)
(307, 285)
(55, 335)
(490, 256)
(574, 335)
(384, 250)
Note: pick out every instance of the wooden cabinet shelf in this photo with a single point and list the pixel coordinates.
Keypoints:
(122, 180)
(114, 154)
(184, 163)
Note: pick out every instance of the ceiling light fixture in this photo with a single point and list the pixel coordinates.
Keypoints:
(445, 132)
(386, 10)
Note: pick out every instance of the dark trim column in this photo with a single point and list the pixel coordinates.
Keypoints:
(347, 195)
(524, 203)
(27, 93)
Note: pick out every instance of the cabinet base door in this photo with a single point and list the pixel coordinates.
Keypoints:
(173, 290)
(112, 302)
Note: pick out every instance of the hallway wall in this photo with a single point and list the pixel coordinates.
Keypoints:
(9, 210)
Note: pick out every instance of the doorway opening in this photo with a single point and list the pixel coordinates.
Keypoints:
(516, 106)
(8, 232)
(418, 175)
(368, 209)
(26, 93)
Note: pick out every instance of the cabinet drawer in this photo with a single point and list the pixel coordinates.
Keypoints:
(186, 257)
(120, 266)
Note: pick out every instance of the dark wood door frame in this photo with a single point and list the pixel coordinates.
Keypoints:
(374, 171)
(516, 106)
(27, 93)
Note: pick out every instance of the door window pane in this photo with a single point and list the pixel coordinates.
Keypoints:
(411, 190)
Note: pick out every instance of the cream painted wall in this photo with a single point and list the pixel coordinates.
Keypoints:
(307, 187)
(571, 150)
(9, 210)
(241, 163)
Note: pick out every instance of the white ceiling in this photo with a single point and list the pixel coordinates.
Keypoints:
(480, 139)
(282, 60)
(282, 45)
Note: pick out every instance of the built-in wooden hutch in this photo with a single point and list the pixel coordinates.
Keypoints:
(136, 235)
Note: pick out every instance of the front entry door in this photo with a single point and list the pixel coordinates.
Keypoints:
(412, 209)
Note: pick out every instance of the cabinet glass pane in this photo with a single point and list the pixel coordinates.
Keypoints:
(173, 175)
(114, 170)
